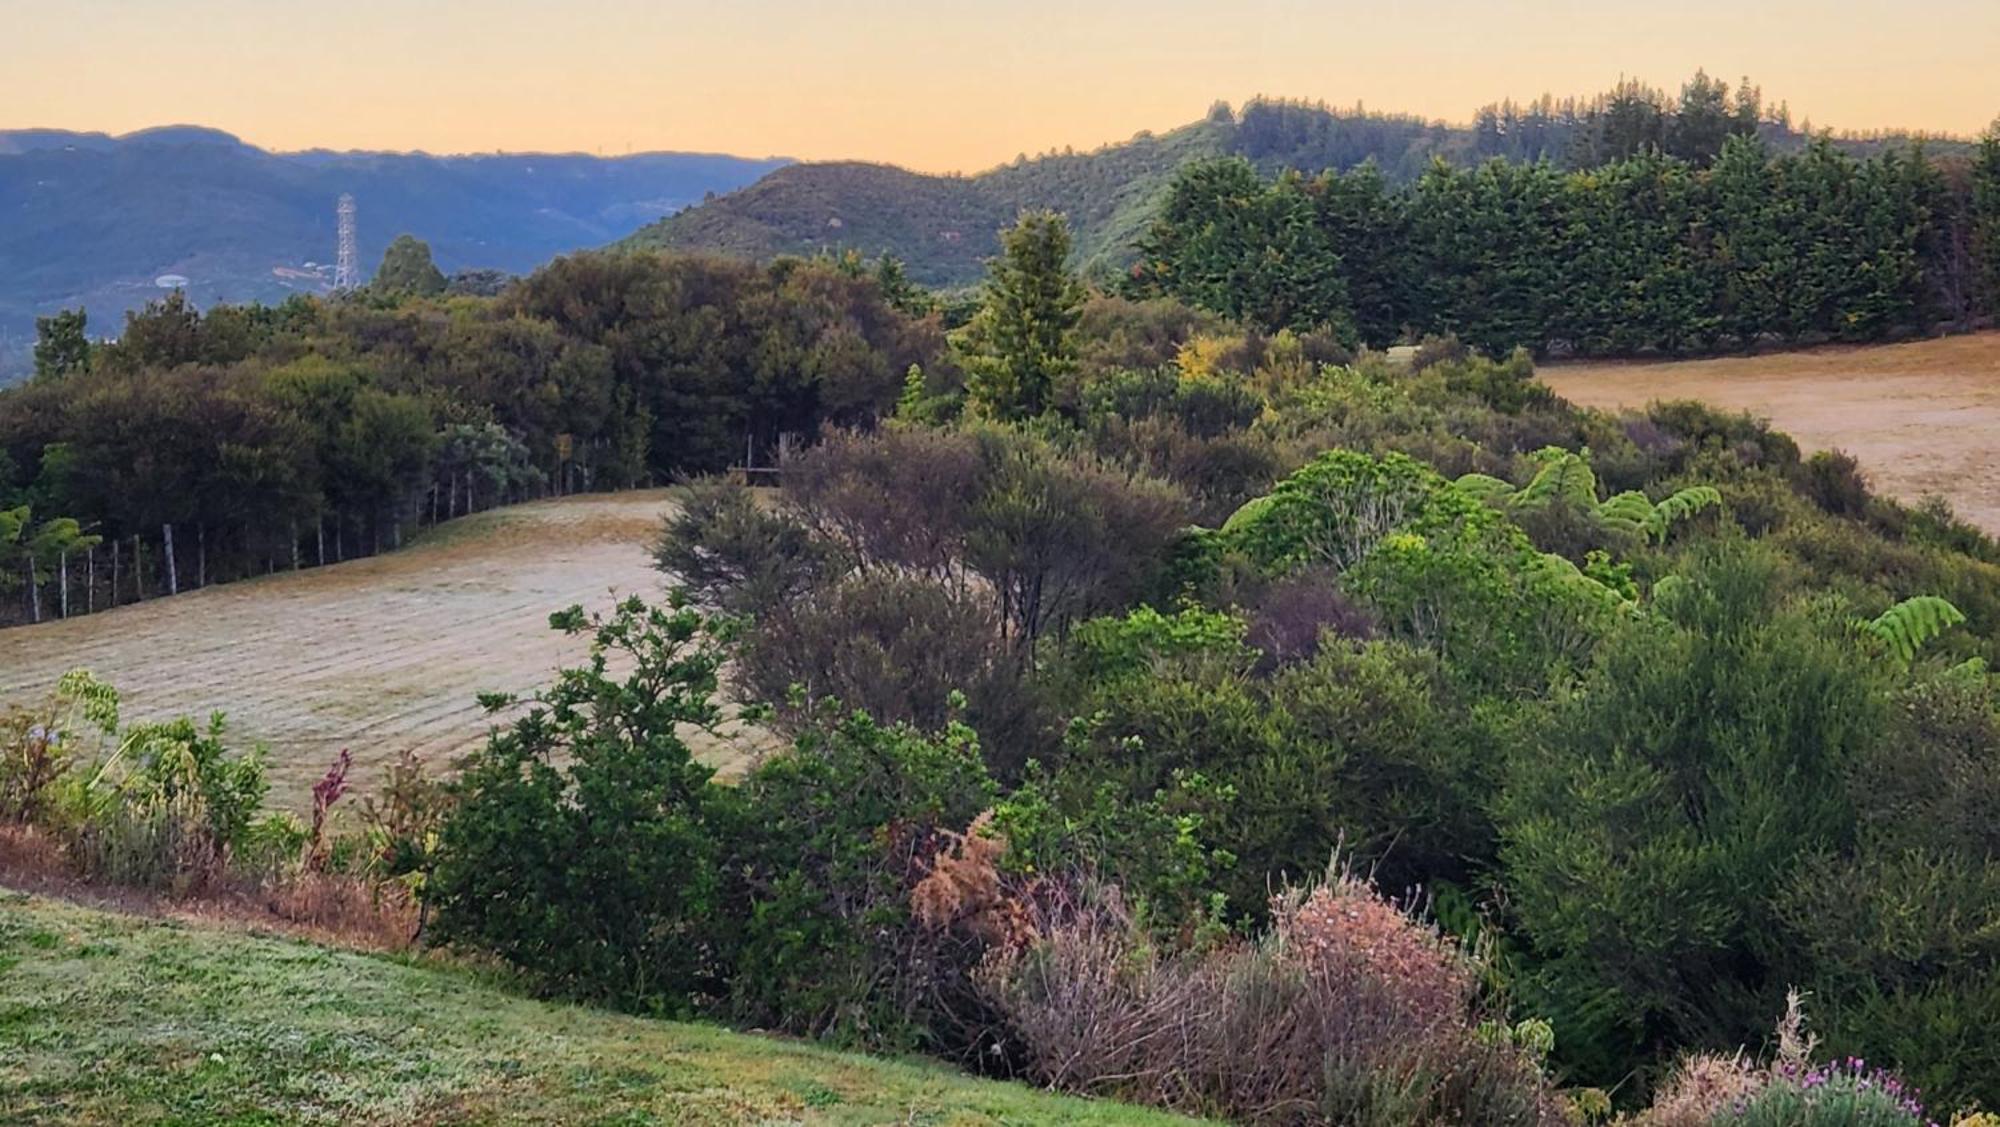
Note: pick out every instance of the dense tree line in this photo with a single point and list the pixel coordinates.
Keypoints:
(207, 445)
(1649, 253)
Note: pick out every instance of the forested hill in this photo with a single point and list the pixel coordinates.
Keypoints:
(944, 228)
(92, 220)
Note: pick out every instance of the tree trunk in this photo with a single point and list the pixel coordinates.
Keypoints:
(90, 580)
(294, 527)
(62, 562)
(201, 555)
(319, 533)
(167, 545)
(138, 568)
(339, 540)
(114, 573)
(34, 591)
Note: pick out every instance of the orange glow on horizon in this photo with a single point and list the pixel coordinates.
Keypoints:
(938, 86)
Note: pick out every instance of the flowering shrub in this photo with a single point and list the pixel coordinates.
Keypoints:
(1792, 1091)
(1846, 1093)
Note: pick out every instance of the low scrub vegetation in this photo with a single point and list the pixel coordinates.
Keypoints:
(1230, 722)
(171, 809)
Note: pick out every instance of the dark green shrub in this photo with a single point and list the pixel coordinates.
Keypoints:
(900, 648)
(1644, 829)
(836, 832)
(737, 554)
(587, 844)
(1832, 480)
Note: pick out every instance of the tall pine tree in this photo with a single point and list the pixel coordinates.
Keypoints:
(1023, 341)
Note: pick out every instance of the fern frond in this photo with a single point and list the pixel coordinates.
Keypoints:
(1681, 506)
(1629, 512)
(1909, 625)
(1486, 488)
(1564, 476)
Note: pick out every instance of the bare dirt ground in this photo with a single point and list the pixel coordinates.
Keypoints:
(377, 655)
(1922, 418)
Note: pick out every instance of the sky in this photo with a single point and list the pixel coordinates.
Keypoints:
(938, 86)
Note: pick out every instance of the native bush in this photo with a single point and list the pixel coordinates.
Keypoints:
(837, 831)
(1355, 748)
(586, 844)
(1642, 830)
(1218, 474)
(1344, 1010)
(1293, 616)
(900, 648)
(736, 554)
(168, 810)
(39, 745)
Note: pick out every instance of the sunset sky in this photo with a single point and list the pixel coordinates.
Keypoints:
(940, 85)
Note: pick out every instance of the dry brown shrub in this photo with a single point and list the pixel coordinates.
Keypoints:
(362, 913)
(1702, 1087)
(1345, 1011)
(964, 889)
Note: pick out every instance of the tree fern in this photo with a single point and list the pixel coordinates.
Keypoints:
(1564, 476)
(1681, 506)
(1909, 625)
(1487, 488)
(1630, 512)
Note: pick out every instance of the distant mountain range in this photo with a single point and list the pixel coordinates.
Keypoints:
(94, 220)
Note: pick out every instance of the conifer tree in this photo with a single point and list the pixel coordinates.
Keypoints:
(1024, 337)
(61, 344)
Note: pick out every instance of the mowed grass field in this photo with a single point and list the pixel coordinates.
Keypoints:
(1922, 417)
(376, 655)
(116, 1019)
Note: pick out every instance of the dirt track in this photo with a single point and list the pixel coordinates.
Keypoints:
(374, 655)
(1923, 418)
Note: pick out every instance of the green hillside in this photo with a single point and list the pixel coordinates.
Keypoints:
(109, 1018)
(943, 227)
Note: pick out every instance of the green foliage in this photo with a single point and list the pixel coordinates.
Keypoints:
(1106, 648)
(1565, 480)
(585, 845)
(323, 429)
(1645, 253)
(1023, 342)
(1642, 827)
(1336, 509)
(168, 810)
(62, 344)
(1985, 211)
(738, 555)
(1909, 625)
(1224, 243)
(836, 831)
(41, 745)
(407, 270)
(942, 226)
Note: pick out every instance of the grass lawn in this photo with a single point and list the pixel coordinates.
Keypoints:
(115, 1019)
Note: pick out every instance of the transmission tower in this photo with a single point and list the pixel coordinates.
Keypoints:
(346, 272)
